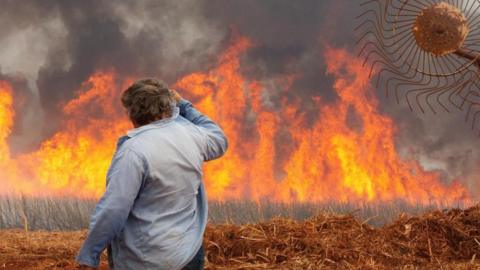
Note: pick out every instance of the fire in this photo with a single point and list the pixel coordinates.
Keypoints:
(75, 159)
(6, 119)
(348, 154)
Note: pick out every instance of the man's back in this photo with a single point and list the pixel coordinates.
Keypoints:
(154, 210)
(166, 216)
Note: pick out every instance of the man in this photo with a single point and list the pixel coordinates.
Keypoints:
(154, 210)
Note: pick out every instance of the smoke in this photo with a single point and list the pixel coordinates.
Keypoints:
(57, 44)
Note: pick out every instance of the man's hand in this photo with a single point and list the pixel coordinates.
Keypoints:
(176, 95)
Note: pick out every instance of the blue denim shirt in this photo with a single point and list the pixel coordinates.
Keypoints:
(154, 210)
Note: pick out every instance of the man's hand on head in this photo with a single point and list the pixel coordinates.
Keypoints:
(177, 96)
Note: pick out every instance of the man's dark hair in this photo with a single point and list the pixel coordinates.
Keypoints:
(148, 100)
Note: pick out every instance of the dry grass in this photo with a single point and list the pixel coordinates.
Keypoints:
(435, 240)
(58, 214)
(40, 250)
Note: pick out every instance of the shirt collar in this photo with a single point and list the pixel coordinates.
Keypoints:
(160, 123)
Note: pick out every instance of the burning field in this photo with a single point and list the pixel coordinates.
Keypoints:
(348, 154)
(310, 139)
(331, 159)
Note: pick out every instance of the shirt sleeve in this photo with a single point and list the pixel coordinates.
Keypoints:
(217, 142)
(124, 180)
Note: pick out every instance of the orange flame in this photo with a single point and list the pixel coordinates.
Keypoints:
(6, 120)
(334, 159)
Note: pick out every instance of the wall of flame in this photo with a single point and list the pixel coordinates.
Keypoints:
(329, 160)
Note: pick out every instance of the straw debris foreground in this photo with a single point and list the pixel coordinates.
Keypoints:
(436, 240)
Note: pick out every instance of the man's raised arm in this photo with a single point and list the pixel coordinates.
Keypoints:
(217, 142)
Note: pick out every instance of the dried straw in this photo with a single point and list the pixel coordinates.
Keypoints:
(432, 240)
(447, 239)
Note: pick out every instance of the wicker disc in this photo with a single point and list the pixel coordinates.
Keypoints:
(440, 29)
